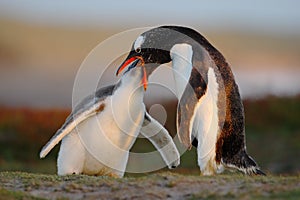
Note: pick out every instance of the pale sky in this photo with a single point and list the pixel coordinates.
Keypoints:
(264, 17)
(267, 15)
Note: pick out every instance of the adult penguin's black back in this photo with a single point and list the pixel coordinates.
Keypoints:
(230, 145)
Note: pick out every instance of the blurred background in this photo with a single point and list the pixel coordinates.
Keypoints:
(43, 43)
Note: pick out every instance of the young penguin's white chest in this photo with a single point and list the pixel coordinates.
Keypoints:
(127, 108)
(107, 137)
(115, 129)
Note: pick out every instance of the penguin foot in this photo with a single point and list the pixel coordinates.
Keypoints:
(174, 164)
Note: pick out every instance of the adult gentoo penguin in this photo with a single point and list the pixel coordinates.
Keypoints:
(98, 134)
(210, 112)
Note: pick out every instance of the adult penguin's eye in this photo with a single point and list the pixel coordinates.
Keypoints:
(138, 50)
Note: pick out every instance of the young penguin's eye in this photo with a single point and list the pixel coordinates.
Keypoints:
(138, 50)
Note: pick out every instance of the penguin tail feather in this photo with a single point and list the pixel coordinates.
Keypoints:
(253, 171)
(250, 166)
(244, 163)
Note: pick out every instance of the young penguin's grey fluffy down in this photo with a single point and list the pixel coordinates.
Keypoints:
(98, 134)
(210, 111)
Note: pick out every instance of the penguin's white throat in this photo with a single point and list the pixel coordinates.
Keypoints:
(181, 55)
(133, 79)
(127, 103)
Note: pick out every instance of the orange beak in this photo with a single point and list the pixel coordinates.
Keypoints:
(131, 60)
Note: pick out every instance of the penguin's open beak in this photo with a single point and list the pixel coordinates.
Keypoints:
(131, 63)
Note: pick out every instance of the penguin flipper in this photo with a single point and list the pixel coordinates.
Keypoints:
(187, 107)
(89, 106)
(71, 122)
(161, 140)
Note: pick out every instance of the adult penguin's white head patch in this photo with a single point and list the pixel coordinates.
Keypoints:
(138, 43)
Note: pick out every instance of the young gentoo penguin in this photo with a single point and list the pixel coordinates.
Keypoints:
(210, 112)
(98, 134)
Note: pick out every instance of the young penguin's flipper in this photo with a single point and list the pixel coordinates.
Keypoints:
(88, 107)
(71, 122)
(161, 140)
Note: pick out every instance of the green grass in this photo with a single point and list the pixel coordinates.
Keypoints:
(10, 195)
(21, 185)
(273, 133)
(272, 136)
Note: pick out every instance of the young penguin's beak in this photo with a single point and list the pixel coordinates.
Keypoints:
(131, 63)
